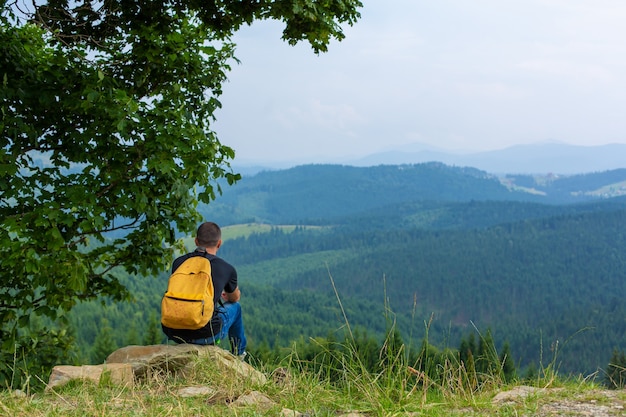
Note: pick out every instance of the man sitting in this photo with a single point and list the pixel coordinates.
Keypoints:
(227, 319)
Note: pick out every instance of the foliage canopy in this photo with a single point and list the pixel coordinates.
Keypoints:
(106, 145)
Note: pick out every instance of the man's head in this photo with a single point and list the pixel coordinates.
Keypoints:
(209, 235)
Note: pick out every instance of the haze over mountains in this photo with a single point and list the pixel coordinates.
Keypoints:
(539, 158)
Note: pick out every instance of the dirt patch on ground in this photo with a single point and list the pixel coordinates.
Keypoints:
(550, 402)
(594, 403)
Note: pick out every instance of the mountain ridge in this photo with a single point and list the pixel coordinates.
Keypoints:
(536, 158)
(308, 193)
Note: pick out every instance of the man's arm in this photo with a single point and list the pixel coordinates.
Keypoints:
(232, 297)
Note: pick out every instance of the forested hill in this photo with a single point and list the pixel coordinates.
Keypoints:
(434, 215)
(552, 278)
(426, 239)
(313, 193)
(556, 280)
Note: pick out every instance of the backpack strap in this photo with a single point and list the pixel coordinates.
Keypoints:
(202, 252)
(197, 252)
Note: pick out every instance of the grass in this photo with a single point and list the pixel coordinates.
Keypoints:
(275, 270)
(337, 380)
(247, 229)
(341, 385)
(384, 394)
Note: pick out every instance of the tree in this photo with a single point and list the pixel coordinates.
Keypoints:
(507, 365)
(467, 350)
(104, 343)
(106, 145)
(616, 370)
(154, 332)
(487, 361)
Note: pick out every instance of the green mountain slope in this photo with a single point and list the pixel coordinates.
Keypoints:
(322, 193)
(531, 282)
(568, 188)
(314, 193)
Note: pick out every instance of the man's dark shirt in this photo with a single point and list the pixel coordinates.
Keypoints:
(224, 278)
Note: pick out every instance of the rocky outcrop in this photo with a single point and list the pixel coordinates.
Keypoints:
(516, 394)
(131, 363)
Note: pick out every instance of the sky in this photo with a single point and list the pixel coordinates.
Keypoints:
(455, 75)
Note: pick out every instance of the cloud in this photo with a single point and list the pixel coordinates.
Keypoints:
(451, 73)
(492, 90)
(329, 117)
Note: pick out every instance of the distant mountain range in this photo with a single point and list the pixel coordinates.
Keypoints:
(307, 193)
(540, 158)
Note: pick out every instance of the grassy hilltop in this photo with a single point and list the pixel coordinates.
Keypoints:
(338, 385)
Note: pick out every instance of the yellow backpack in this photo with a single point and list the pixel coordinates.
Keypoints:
(188, 301)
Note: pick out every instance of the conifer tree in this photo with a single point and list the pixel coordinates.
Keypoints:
(132, 335)
(616, 370)
(507, 366)
(487, 360)
(367, 350)
(467, 349)
(154, 331)
(104, 344)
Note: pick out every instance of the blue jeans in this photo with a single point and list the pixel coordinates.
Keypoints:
(232, 327)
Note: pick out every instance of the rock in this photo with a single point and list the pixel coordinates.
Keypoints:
(18, 393)
(230, 363)
(117, 373)
(286, 412)
(256, 399)
(515, 394)
(145, 359)
(173, 358)
(199, 391)
(282, 376)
